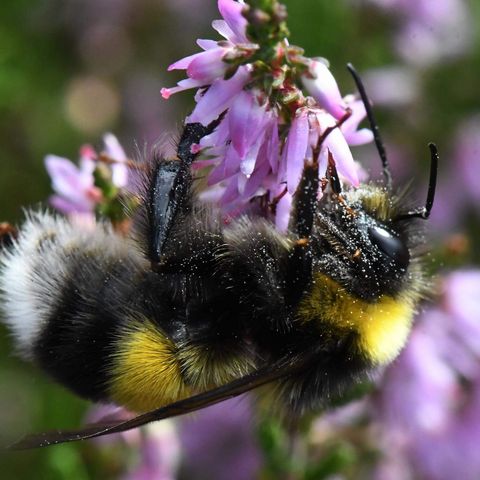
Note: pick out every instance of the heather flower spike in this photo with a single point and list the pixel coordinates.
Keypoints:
(270, 126)
(92, 186)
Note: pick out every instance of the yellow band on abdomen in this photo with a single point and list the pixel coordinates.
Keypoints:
(146, 373)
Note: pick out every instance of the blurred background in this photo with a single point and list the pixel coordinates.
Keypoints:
(71, 70)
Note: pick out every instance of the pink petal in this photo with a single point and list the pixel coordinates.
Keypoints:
(296, 149)
(87, 162)
(67, 179)
(350, 126)
(219, 97)
(282, 214)
(248, 162)
(231, 192)
(232, 13)
(113, 148)
(223, 29)
(273, 152)
(206, 44)
(183, 63)
(208, 65)
(246, 119)
(323, 87)
(359, 137)
(239, 116)
(219, 136)
(181, 85)
(262, 169)
(88, 151)
(336, 143)
(227, 168)
(66, 206)
(115, 151)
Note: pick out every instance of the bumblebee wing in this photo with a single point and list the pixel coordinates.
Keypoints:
(244, 384)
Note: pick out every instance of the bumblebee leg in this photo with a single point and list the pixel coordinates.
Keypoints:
(168, 190)
(305, 201)
(299, 264)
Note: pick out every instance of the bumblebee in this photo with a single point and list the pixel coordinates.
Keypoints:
(190, 311)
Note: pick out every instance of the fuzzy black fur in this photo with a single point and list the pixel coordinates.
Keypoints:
(227, 290)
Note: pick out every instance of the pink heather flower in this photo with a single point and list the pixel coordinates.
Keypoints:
(159, 450)
(104, 413)
(430, 400)
(349, 128)
(307, 127)
(220, 442)
(258, 149)
(219, 97)
(207, 67)
(322, 86)
(431, 30)
(74, 185)
(115, 151)
(245, 153)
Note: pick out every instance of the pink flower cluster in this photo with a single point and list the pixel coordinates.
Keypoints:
(74, 186)
(429, 404)
(267, 134)
(431, 31)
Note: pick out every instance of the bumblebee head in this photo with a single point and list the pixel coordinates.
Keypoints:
(367, 274)
(362, 240)
(365, 238)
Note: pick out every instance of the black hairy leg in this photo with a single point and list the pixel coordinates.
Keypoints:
(167, 190)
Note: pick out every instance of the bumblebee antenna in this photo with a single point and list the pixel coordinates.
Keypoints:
(373, 125)
(424, 212)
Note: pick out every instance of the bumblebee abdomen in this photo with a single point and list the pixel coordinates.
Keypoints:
(86, 308)
(63, 290)
(145, 370)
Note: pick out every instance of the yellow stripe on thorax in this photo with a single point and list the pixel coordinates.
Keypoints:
(146, 372)
(382, 326)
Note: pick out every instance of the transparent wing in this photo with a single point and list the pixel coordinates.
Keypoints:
(279, 370)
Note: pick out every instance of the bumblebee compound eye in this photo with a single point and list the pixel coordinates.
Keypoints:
(390, 245)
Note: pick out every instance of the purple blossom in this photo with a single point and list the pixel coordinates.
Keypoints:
(430, 401)
(393, 86)
(74, 186)
(267, 133)
(431, 30)
(115, 151)
(205, 67)
(219, 443)
(458, 190)
(110, 413)
(159, 450)
(219, 97)
(156, 445)
(322, 86)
